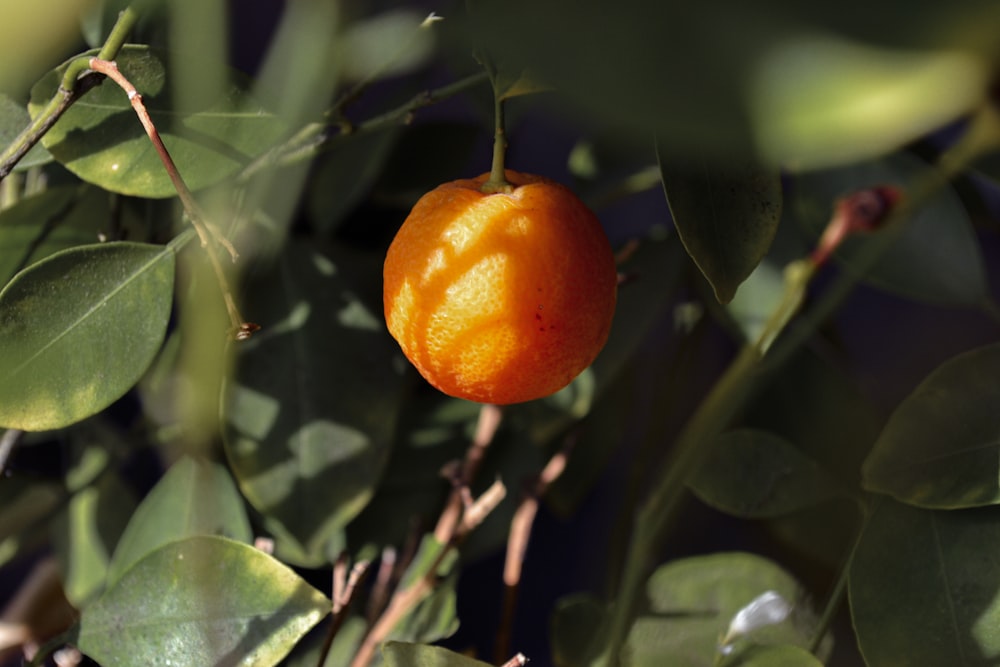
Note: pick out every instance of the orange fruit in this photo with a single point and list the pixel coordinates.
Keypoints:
(500, 298)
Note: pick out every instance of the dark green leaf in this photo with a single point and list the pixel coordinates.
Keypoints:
(936, 259)
(941, 447)
(756, 474)
(201, 601)
(311, 409)
(774, 656)
(425, 156)
(79, 329)
(756, 299)
(39, 226)
(100, 139)
(726, 217)
(192, 498)
(398, 654)
(577, 624)
(691, 603)
(86, 533)
(345, 174)
(13, 119)
(923, 587)
(24, 504)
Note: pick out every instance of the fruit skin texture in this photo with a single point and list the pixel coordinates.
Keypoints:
(500, 298)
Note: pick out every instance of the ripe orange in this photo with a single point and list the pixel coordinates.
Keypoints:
(500, 298)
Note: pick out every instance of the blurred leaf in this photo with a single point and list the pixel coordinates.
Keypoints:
(936, 259)
(192, 498)
(692, 601)
(345, 174)
(435, 617)
(201, 601)
(774, 656)
(755, 474)
(514, 84)
(398, 654)
(345, 645)
(941, 446)
(756, 299)
(577, 624)
(79, 329)
(923, 587)
(32, 35)
(13, 119)
(100, 139)
(24, 504)
(387, 44)
(738, 79)
(86, 533)
(823, 533)
(311, 409)
(726, 217)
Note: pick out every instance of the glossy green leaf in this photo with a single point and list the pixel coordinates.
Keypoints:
(311, 409)
(201, 601)
(101, 140)
(726, 217)
(345, 174)
(691, 603)
(13, 119)
(399, 654)
(936, 259)
(79, 329)
(941, 446)
(923, 587)
(756, 474)
(56, 219)
(192, 498)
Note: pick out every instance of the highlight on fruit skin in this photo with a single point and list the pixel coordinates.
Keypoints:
(500, 298)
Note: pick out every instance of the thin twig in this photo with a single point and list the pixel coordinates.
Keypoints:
(206, 233)
(344, 584)
(517, 661)
(517, 543)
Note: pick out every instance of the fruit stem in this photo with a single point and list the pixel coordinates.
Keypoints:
(497, 182)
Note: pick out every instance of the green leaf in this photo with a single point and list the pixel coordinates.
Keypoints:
(25, 503)
(388, 44)
(936, 259)
(692, 601)
(774, 656)
(56, 219)
(101, 140)
(192, 498)
(398, 654)
(941, 445)
(923, 587)
(86, 533)
(13, 119)
(756, 299)
(311, 409)
(201, 601)
(577, 625)
(436, 616)
(79, 329)
(726, 216)
(756, 474)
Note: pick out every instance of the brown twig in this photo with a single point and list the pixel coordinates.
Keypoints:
(206, 233)
(344, 584)
(517, 543)
(517, 661)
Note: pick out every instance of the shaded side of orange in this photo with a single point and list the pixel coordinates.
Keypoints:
(500, 298)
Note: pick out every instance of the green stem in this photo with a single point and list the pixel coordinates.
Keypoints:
(119, 32)
(497, 182)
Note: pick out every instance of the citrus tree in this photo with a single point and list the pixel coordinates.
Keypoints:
(283, 380)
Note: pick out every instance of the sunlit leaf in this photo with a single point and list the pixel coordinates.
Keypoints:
(936, 259)
(756, 474)
(398, 654)
(101, 140)
(691, 603)
(726, 216)
(313, 403)
(923, 587)
(201, 601)
(941, 446)
(192, 498)
(79, 329)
